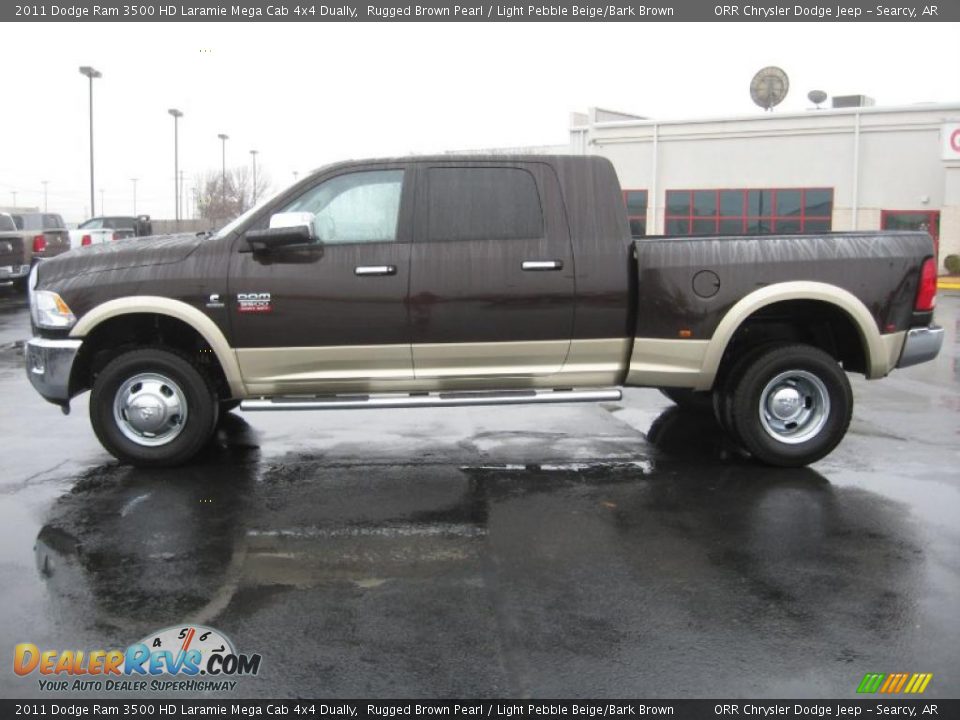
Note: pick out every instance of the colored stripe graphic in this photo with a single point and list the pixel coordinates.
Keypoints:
(911, 683)
(870, 683)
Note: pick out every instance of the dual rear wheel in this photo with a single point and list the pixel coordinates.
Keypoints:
(788, 405)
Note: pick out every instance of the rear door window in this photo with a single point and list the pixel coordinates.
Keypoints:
(53, 222)
(482, 203)
(7, 224)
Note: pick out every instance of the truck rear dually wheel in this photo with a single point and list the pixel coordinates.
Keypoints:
(688, 399)
(791, 405)
(153, 408)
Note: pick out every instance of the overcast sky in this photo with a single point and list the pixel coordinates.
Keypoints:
(304, 95)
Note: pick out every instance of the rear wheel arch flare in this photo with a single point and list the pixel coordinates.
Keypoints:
(834, 298)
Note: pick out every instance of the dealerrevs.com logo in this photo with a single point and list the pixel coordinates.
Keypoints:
(184, 658)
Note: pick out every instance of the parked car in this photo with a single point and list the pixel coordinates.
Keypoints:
(115, 227)
(13, 264)
(477, 280)
(33, 237)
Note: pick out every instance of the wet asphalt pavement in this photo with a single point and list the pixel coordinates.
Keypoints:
(569, 551)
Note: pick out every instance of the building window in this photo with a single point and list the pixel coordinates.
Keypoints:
(749, 212)
(636, 202)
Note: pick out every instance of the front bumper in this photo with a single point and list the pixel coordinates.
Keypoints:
(921, 345)
(49, 364)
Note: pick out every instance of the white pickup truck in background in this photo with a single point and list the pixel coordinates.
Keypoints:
(105, 229)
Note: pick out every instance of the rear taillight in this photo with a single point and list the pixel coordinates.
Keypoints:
(86, 240)
(116, 236)
(39, 243)
(927, 293)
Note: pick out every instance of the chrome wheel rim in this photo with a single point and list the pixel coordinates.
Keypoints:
(150, 409)
(794, 406)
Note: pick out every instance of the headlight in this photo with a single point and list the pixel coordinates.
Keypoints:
(50, 311)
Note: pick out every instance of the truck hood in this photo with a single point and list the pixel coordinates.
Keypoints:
(120, 254)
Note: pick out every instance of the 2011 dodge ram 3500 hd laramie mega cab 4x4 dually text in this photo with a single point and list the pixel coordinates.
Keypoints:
(467, 281)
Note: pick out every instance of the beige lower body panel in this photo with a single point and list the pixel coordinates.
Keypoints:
(448, 366)
(666, 363)
(892, 344)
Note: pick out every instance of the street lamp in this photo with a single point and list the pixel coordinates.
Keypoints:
(254, 154)
(44, 183)
(134, 181)
(176, 164)
(91, 74)
(223, 173)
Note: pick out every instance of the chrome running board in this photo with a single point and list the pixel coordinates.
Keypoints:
(440, 399)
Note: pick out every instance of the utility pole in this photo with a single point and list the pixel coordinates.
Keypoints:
(223, 174)
(91, 74)
(176, 164)
(254, 154)
(44, 183)
(134, 181)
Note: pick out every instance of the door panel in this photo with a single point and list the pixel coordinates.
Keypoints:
(492, 272)
(313, 318)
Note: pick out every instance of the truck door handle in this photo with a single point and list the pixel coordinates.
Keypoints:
(364, 270)
(534, 265)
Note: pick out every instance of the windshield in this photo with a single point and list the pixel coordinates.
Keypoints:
(238, 221)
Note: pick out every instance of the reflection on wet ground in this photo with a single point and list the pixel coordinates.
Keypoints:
(581, 560)
(550, 577)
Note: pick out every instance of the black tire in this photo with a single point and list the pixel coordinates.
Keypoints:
(723, 391)
(817, 404)
(228, 406)
(689, 399)
(192, 391)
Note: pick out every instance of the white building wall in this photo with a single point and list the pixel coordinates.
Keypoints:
(875, 159)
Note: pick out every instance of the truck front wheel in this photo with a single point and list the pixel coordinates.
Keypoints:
(791, 405)
(152, 408)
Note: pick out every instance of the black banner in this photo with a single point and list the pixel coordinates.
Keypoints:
(468, 11)
(495, 709)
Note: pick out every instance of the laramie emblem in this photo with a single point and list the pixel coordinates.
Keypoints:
(253, 302)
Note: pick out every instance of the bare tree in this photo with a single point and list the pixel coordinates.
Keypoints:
(222, 203)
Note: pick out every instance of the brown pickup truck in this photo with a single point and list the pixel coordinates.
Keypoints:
(478, 280)
(27, 238)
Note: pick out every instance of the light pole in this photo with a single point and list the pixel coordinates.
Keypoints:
(44, 183)
(14, 193)
(134, 181)
(295, 174)
(223, 174)
(91, 74)
(176, 164)
(254, 154)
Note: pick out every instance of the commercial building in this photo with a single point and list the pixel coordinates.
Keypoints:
(860, 168)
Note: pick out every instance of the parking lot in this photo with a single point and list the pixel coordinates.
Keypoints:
(621, 550)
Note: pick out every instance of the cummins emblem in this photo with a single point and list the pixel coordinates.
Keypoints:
(253, 302)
